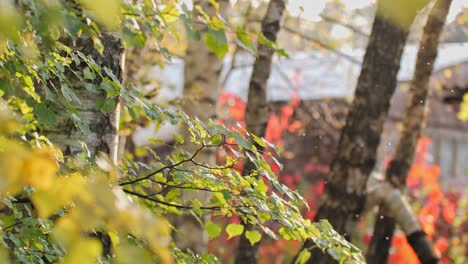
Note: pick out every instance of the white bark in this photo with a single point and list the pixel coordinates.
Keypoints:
(381, 192)
(201, 89)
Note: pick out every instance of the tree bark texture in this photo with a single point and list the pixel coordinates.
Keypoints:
(344, 196)
(103, 128)
(257, 108)
(413, 123)
(201, 89)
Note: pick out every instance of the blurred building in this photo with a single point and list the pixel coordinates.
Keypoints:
(324, 82)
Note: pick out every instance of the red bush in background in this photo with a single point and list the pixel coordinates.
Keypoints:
(437, 210)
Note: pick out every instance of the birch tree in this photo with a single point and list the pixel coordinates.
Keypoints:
(100, 115)
(201, 88)
(413, 123)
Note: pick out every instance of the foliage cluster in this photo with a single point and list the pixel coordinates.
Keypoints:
(58, 208)
(440, 210)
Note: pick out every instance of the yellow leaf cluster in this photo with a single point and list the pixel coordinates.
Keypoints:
(89, 203)
(463, 114)
(105, 11)
(20, 166)
(401, 12)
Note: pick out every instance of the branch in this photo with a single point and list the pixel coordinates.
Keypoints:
(394, 202)
(382, 192)
(146, 197)
(163, 168)
(180, 206)
(346, 25)
(236, 48)
(321, 44)
(181, 186)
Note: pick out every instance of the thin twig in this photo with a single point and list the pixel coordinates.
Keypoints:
(321, 44)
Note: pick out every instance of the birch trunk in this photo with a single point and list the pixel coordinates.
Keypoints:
(345, 187)
(103, 136)
(257, 110)
(201, 90)
(413, 123)
(103, 127)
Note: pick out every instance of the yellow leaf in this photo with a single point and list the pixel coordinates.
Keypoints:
(58, 195)
(4, 256)
(105, 11)
(448, 73)
(66, 231)
(127, 253)
(40, 168)
(463, 114)
(170, 13)
(83, 251)
(12, 157)
(400, 12)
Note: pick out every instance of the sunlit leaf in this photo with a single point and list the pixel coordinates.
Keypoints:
(234, 230)
(105, 11)
(253, 236)
(216, 41)
(212, 229)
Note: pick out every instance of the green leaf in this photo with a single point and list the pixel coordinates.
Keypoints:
(156, 141)
(253, 236)
(133, 39)
(264, 217)
(244, 40)
(44, 114)
(213, 229)
(173, 194)
(88, 74)
(234, 230)
(69, 94)
(170, 13)
(266, 42)
(303, 257)
(215, 4)
(216, 139)
(217, 24)
(216, 41)
(178, 139)
(107, 106)
(244, 143)
(259, 141)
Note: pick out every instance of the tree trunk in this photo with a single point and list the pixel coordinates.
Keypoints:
(201, 90)
(257, 110)
(102, 135)
(344, 196)
(415, 116)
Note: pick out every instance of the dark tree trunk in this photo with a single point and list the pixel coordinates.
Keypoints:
(257, 110)
(345, 187)
(415, 116)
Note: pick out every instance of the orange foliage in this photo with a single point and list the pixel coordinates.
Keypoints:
(422, 180)
(402, 251)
